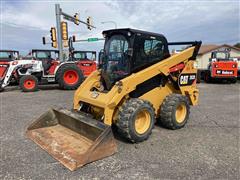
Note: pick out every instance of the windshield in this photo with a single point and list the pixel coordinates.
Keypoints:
(221, 55)
(84, 56)
(43, 55)
(115, 62)
(8, 56)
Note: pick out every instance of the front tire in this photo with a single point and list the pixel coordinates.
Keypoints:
(136, 120)
(69, 77)
(28, 83)
(233, 80)
(174, 111)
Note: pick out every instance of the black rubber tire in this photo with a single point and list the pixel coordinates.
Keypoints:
(168, 110)
(1, 89)
(198, 76)
(207, 77)
(233, 80)
(60, 75)
(30, 77)
(127, 116)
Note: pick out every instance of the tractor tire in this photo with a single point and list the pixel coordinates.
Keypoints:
(233, 80)
(207, 77)
(198, 76)
(69, 77)
(136, 120)
(28, 83)
(1, 89)
(174, 111)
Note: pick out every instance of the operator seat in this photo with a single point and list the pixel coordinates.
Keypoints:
(47, 64)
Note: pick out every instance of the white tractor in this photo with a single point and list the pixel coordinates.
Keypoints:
(31, 73)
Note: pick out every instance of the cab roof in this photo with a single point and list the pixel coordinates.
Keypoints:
(134, 31)
(45, 50)
(8, 51)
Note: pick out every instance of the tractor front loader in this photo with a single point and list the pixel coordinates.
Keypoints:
(138, 83)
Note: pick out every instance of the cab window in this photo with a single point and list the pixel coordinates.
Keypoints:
(148, 51)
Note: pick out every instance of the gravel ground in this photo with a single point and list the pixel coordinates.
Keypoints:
(207, 148)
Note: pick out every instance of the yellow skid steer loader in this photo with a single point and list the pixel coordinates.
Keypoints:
(138, 83)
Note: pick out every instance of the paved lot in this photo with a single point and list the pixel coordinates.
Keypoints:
(207, 148)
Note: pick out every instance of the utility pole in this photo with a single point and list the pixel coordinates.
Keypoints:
(59, 35)
(59, 30)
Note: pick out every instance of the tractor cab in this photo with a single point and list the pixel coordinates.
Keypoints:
(44, 55)
(84, 55)
(85, 60)
(49, 59)
(220, 56)
(8, 55)
(127, 51)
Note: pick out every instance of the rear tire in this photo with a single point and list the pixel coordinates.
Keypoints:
(28, 83)
(198, 76)
(69, 77)
(136, 120)
(174, 111)
(207, 77)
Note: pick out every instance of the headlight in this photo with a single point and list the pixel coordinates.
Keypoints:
(14, 62)
(233, 65)
(235, 59)
(216, 66)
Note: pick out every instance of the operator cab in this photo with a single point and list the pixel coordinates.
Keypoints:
(84, 56)
(220, 56)
(128, 50)
(8, 55)
(46, 56)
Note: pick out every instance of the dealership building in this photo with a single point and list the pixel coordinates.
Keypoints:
(206, 50)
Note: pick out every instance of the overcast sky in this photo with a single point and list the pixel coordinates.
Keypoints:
(23, 23)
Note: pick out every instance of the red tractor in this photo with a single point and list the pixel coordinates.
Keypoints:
(221, 67)
(85, 60)
(7, 56)
(43, 66)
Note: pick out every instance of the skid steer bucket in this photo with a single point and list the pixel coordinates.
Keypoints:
(72, 138)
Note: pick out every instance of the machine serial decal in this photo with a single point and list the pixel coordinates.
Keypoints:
(85, 64)
(224, 72)
(186, 79)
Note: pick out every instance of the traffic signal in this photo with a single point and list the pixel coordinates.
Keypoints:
(65, 43)
(53, 37)
(54, 44)
(76, 16)
(44, 40)
(74, 38)
(89, 23)
(64, 28)
(53, 34)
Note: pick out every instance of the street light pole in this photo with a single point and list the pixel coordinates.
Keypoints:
(59, 31)
(113, 22)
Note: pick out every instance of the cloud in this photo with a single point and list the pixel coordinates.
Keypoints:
(23, 24)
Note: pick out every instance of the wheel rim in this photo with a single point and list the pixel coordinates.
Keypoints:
(29, 84)
(70, 77)
(142, 122)
(181, 113)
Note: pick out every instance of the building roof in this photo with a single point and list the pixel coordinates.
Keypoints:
(210, 47)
